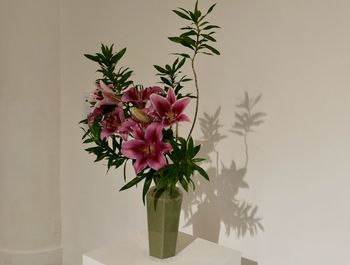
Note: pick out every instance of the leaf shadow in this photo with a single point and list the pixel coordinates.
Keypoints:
(216, 203)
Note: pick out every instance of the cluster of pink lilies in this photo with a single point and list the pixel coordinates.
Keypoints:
(138, 117)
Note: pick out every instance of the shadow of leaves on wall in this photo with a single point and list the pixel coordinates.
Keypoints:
(216, 202)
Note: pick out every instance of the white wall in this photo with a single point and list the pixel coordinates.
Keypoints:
(29, 89)
(296, 54)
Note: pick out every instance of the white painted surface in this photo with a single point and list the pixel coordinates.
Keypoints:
(135, 252)
(296, 53)
(29, 107)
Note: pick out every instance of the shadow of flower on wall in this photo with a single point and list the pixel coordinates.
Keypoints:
(216, 202)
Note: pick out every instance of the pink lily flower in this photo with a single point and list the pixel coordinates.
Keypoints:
(95, 114)
(111, 124)
(126, 128)
(147, 148)
(104, 95)
(140, 96)
(169, 109)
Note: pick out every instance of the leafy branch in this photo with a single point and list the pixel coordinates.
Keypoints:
(198, 36)
(107, 60)
(169, 75)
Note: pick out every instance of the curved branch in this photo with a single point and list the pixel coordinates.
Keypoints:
(197, 98)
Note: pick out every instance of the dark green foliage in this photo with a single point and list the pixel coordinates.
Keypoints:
(197, 36)
(107, 60)
(169, 75)
(183, 167)
(102, 148)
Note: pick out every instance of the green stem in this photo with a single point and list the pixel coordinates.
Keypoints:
(195, 82)
(197, 99)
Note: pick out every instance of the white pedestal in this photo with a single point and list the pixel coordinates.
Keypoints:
(190, 251)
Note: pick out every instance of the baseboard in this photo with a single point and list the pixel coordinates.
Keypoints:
(49, 256)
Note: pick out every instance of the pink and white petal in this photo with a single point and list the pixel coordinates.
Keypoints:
(179, 106)
(165, 147)
(132, 149)
(171, 96)
(124, 135)
(140, 165)
(156, 162)
(105, 134)
(138, 133)
(166, 123)
(151, 90)
(126, 127)
(120, 112)
(183, 117)
(103, 86)
(106, 89)
(130, 95)
(111, 96)
(153, 133)
(160, 104)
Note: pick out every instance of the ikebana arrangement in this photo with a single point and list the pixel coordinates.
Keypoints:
(132, 122)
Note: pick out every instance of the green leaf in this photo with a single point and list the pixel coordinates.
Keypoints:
(197, 14)
(94, 149)
(181, 14)
(90, 140)
(212, 49)
(166, 81)
(196, 150)
(174, 64)
(183, 55)
(197, 160)
(99, 157)
(190, 145)
(211, 27)
(124, 169)
(193, 17)
(196, 6)
(181, 63)
(132, 182)
(202, 172)
(175, 39)
(208, 37)
(184, 10)
(211, 8)
(91, 57)
(181, 41)
(184, 184)
(146, 186)
(189, 40)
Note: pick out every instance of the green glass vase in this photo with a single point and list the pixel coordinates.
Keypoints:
(163, 214)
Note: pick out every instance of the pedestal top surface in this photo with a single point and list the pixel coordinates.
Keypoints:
(190, 251)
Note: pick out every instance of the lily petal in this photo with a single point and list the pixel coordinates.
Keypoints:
(156, 162)
(183, 117)
(166, 147)
(148, 91)
(171, 96)
(132, 149)
(161, 104)
(140, 165)
(179, 106)
(130, 95)
(138, 133)
(105, 134)
(153, 133)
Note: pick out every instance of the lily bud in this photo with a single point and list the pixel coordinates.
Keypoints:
(140, 115)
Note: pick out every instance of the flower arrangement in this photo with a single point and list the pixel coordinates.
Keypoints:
(131, 122)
